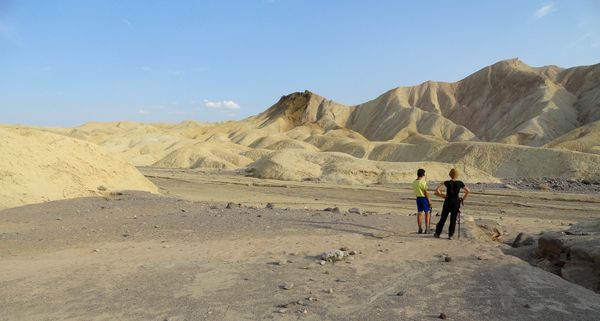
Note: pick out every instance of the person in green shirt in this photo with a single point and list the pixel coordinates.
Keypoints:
(419, 186)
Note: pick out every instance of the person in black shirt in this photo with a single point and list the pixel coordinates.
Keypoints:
(452, 202)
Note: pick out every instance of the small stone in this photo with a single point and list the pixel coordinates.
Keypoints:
(270, 206)
(96, 250)
(401, 293)
(300, 302)
(231, 205)
(288, 286)
(483, 258)
(447, 259)
(354, 210)
(283, 310)
(304, 311)
(312, 299)
(443, 316)
(353, 252)
(329, 291)
(282, 262)
(527, 305)
(156, 226)
(322, 262)
(135, 217)
(183, 211)
(101, 188)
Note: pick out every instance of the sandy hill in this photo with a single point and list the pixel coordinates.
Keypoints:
(37, 166)
(583, 139)
(499, 122)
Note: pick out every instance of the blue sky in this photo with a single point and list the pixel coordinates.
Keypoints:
(64, 63)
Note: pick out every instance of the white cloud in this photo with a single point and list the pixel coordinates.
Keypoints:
(176, 72)
(544, 10)
(143, 111)
(146, 68)
(225, 104)
(126, 22)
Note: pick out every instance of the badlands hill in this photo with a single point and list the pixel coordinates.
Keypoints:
(37, 166)
(584, 139)
(506, 120)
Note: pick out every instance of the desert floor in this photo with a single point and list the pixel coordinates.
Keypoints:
(184, 256)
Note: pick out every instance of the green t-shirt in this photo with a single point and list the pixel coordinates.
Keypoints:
(419, 186)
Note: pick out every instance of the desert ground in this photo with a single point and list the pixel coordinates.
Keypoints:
(184, 255)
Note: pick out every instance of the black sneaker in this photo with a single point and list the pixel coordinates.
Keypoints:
(420, 231)
(437, 236)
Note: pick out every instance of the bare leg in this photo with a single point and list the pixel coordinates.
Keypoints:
(427, 221)
(420, 221)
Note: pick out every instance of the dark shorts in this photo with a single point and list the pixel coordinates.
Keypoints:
(423, 204)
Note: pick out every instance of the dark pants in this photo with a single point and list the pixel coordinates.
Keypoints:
(452, 207)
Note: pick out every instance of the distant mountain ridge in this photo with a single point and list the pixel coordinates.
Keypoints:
(507, 120)
(507, 102)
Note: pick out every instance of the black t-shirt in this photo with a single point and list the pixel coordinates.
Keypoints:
(453, 188)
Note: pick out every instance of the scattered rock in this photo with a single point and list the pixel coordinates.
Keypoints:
(354, 210)
(282, 310)
(231, 205)
(526, 305)
(443, 316)
(270, 206)
(401, 293)
(333, 255)
(282, 262)
(543, 187)
(312, 299)
(447, 259)
(483, 258)
(508, 186)
(96, 250)
(523, 239)
(322, 262)
(102, 188)
(288, 286)
(329, 291)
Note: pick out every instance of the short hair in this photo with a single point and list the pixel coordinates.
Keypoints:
(453, 173)
(420, 172)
